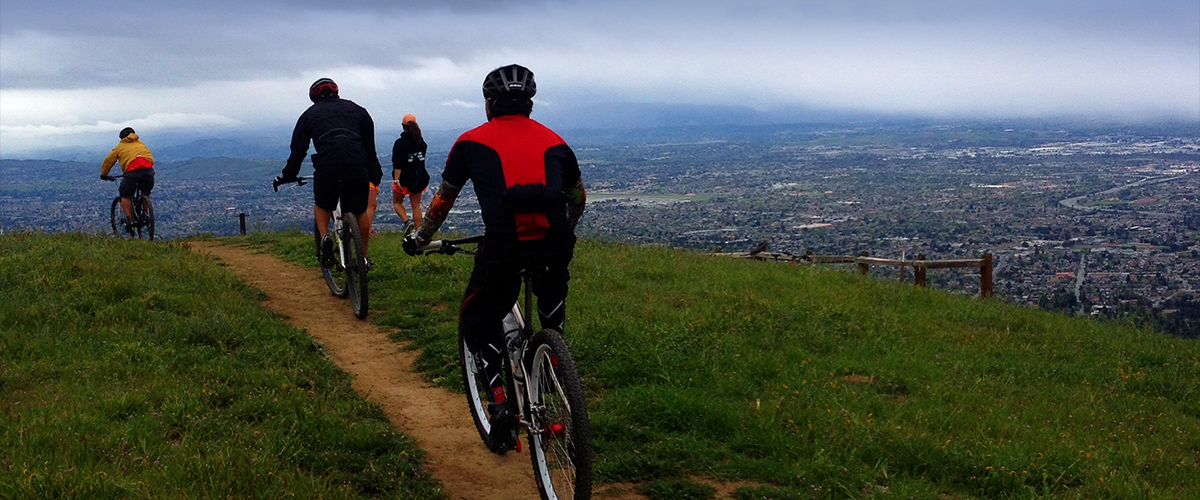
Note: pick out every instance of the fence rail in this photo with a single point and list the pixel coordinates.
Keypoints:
(864, 262)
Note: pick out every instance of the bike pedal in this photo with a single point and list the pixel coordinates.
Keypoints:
(518, 446)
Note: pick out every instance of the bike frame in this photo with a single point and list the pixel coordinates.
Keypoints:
(535, 385)
(135, 200)
(336, 231)
(518, 331)
(336, 216)
(349, 259)
(138, 215)
(533, 421)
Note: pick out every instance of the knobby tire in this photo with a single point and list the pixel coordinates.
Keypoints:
(116, 215)
(356, 266)
(148, 218)
(334, 279)
(562, 460)
(476, 386)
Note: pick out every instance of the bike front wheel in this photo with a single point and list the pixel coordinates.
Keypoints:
(335, 280)
(117, 217)
(560, 435)
(356, 265)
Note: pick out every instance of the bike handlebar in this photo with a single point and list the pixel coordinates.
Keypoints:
(300, 181)
(449, 247)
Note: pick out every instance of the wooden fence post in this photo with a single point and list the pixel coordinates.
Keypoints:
(864, 268)
(985, 276)
(919, 272)
(242, 217)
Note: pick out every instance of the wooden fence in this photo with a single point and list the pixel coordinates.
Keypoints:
(864, 262)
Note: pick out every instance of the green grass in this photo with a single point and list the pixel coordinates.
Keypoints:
(139, 370)
(818, 383)
(677, 489)
(809, 382)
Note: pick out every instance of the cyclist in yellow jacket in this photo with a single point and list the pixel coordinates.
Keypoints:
(138, 166)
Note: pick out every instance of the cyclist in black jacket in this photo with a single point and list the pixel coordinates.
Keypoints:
(345, 162)
(530, 196)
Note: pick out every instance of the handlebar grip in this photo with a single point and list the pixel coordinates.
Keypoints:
(279, 181)
(433, 246)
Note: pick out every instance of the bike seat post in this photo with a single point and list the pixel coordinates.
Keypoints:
(527, 279)
(527, 275)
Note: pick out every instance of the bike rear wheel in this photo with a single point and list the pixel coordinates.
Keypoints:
(560, 435)
(334, 279)
(356, 265)
(476, 385)
(147, 222)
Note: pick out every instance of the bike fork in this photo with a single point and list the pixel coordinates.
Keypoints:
(338, 241)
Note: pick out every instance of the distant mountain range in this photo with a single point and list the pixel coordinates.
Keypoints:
(614, 123)
(602, 121)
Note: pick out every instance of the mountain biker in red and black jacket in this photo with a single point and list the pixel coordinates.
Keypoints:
(343, 134)
(530, 196)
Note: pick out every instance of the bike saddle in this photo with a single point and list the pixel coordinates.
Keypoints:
(533, 271)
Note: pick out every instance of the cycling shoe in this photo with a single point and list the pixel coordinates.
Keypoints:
(327, 258)
(503, 436)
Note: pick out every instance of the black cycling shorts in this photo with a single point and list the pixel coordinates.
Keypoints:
(348, 184)
(136, 179)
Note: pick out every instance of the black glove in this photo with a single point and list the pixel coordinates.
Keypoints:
(104, 177)
(422, 240)
(410, 245)
(281, 180)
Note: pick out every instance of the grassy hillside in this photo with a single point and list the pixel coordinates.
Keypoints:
(817, 383)
(138, 370)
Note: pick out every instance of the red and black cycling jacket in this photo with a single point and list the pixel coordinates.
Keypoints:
(520, 170)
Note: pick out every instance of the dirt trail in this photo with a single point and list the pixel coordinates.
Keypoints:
(383, 373)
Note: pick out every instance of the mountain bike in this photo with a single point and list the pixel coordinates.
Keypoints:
(143, 215)
(540, 370)
(348, 276)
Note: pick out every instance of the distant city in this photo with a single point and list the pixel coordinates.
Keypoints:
(1094, 221)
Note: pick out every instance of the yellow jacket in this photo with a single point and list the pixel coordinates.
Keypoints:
(127, 151)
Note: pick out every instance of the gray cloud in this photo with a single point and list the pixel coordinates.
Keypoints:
(66, 66)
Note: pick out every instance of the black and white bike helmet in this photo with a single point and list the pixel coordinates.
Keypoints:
(513, 82)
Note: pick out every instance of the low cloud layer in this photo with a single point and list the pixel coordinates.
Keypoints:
(69, 68)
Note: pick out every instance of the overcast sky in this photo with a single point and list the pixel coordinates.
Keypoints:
(75, 72)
